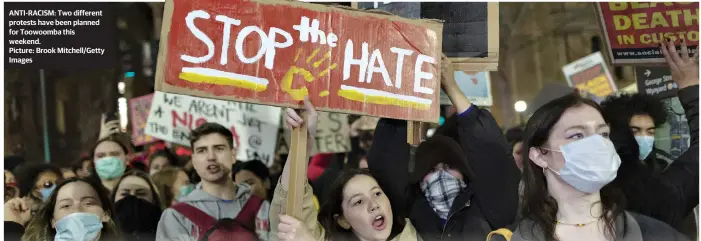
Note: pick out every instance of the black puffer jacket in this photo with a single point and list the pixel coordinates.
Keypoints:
(489, 202)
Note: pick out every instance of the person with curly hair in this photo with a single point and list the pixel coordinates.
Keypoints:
(641, 114)
(669, 194)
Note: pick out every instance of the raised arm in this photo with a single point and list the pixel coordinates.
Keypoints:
(293, 121)
(683, 173)
(488, 154)
(284, 227)
(388, 161)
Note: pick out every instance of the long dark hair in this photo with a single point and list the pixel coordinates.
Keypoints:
(332, 207)
(28, 174)
(39, 227)
(537, 205)
(157, 199)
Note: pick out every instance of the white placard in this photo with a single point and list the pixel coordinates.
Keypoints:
(173, 116)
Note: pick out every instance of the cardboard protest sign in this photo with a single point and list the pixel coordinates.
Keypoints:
(254, 127)
(345, 60)
(139, 108)
(475, 85)
(656, 81)
(590, 74)
(634, 30)
(332, 134)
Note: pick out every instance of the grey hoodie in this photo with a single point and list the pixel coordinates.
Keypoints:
(173, 226)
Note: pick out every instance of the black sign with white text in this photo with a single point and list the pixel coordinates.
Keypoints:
(656, 81)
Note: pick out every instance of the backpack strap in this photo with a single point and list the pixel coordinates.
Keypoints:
(247, 215)
(202, 220)
(506, 233)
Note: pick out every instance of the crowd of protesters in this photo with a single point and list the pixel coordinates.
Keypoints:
(577, 170)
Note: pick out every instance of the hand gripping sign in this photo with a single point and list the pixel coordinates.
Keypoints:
(278, 52)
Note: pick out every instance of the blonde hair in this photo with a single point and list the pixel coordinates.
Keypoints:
(163, 180)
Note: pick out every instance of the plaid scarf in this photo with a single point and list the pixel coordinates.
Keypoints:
(440, 190)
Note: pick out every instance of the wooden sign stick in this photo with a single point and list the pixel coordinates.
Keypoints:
(414, 132)
(298, 169)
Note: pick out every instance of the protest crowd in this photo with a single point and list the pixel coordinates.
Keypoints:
(579, 169)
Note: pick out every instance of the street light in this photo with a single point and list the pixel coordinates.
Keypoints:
(520, 106)
(121, 87)
(123, 112)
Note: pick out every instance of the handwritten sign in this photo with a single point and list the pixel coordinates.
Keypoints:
(254, 127)
(332, 135)
(475, 85)
(634, 30)
(590, 74)
(344, 60)
(656, 81)
(139, 108)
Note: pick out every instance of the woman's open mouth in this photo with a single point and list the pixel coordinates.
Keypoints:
(379, 223)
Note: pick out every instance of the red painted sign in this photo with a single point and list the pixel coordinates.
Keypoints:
(634, 30)
(277, 52)
(139, 108)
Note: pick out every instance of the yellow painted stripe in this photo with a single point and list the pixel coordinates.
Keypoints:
(381, 100)
(205, 79)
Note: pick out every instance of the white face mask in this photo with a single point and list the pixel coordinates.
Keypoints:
(78, 227)
(590, 163)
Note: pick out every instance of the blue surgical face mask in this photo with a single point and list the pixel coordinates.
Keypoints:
(46, 192)
(185, 190)
(645, 144)
(109, 168)
(78, 227)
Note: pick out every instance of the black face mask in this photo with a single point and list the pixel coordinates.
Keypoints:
(137, 218)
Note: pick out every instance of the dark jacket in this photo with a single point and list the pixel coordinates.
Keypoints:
(13, 231)
(491, 198)
(669, 196)
(637, 228)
